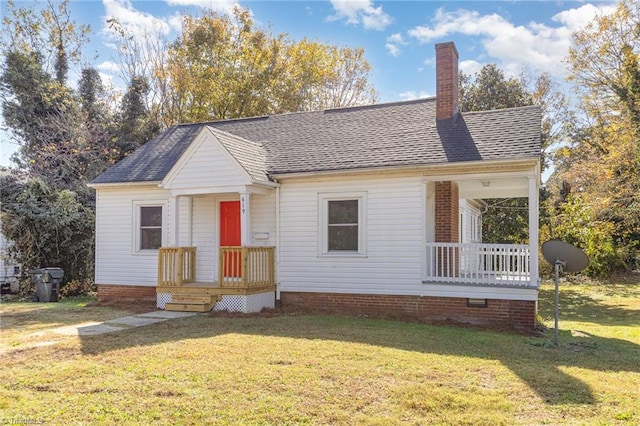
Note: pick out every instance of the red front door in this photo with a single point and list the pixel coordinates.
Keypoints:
(230, 236)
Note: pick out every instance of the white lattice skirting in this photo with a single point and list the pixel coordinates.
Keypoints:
(232, 303)
(246, 304)
(162, 299)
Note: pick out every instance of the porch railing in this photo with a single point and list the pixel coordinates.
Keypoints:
(176, 266)
(492, 264)
(246, 267)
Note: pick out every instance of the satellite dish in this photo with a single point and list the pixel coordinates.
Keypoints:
(564, 257)
(573, 258)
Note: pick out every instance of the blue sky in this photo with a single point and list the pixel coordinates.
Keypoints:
(398, 36)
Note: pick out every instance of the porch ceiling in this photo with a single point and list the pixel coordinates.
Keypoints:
(511, 187)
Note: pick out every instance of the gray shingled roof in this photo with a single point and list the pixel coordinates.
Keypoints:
(153, 160)
(383, 135)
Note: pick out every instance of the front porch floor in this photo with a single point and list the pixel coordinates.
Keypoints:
(213, 289)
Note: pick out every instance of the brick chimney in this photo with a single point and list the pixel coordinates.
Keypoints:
(446, 80)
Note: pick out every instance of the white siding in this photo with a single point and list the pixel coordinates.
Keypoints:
(117, 262)
(263, 219)
(204, 237)
(469, 215)
(395, 225)
(207, 165)
(185, 217)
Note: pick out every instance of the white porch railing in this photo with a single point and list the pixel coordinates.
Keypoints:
(490, 264)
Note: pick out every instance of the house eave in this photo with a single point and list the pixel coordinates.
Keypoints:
(442, 169)
(120, 184)
(266, 184)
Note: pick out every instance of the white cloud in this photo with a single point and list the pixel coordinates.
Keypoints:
(360, 11)
(580, 17)
(396, 38)
(132, 19)
(221, 5)
(393, 49)
(109, 66)
(410, 95)
(535, 45)
(470, 67)
(175, 22)
(394, 41)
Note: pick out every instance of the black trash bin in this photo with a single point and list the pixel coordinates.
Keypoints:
(47, 281)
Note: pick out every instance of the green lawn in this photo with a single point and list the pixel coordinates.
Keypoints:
(326, 369)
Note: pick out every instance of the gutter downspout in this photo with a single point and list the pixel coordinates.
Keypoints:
(277, 265)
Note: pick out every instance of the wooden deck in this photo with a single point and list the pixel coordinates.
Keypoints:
(242, 271)
(203, 296)
(213, 289)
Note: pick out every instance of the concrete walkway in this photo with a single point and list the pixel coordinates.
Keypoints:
(119, 324)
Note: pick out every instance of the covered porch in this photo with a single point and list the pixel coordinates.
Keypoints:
(216, 259)
(456, 265)
(246, 280)
(218, 249)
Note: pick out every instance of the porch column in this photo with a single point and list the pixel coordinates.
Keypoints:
(174, 205)
(447, 223)
(533, 227)
(245, 219)
(447, 216)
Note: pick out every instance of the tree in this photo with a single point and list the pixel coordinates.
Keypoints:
(135, 124)
(49, 32)
(576, 222)
(143, 57)
(36, 108)
(326, 77)
(41, 111)
(47, 208)
(491, 90)
(604, 62)
(602, 163)
(47, 227)
(92, 95)
(224, 66)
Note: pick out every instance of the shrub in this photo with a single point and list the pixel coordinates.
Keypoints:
(576, 223)
(27, 287)
(77, 288)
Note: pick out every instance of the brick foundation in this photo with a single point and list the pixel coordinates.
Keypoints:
(509, 314)
(108, 292)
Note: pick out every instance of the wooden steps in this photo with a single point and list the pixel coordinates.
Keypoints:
(191, 302)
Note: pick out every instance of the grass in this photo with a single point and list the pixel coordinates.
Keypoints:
(327, 369)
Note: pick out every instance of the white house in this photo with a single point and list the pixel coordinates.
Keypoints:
(347, 210)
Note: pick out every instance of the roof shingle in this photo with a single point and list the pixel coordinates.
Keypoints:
(382, 135)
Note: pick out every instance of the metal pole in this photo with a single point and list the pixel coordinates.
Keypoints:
(560, 264)
(557, 278)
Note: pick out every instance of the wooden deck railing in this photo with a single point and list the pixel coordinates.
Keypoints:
(492, 264)
(176, 266)
(246, 267)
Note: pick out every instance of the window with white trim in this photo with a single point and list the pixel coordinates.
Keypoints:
(149, 227)
(342, 224)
